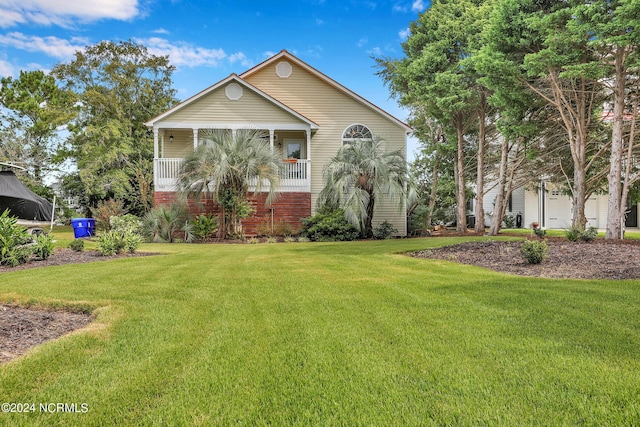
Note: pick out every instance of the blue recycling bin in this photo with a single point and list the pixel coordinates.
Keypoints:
(83, 227)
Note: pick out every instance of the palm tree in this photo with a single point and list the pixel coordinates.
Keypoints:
(360, 172)
(224, 167)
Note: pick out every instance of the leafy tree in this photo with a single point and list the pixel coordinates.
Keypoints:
(34, 107)
(432, 77)
(224, 167)
(361, 172)
(119, 86)
(539, 46)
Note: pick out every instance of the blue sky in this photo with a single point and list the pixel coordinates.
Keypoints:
(208, 40)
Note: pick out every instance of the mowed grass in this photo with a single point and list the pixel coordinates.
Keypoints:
(326, 334)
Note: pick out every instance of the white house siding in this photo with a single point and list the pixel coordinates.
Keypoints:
(517, 204)
(531, 211)
(333, 111)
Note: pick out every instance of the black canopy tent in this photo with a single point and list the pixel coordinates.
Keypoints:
(22, 202)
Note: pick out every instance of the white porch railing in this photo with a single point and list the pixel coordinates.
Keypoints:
(296, 176)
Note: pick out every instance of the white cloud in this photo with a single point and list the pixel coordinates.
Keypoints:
(399, 8)
(65, 12)
(160, 31)
(182, 54)
(51, 46)
(375, 51)
(6, 69)
(404, 34)
(362, 42)
(418, 6)
(240, 57)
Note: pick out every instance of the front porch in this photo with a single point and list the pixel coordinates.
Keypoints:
(295, 177)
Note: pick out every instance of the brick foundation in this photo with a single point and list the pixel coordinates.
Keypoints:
(288, 208)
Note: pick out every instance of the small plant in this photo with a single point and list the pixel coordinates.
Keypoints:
(131, 242)
(253, 240)
(534, 252)
(163, 224)
(204, 225)
(384, 231)
(13, 240)
(509, 221)
(289, 239)
(111, 243)
(105, 210)
(272, 240)
(43, 247)
(540, 232)
(77, 245)
(574, 234)
(589, 234)
(302, 239)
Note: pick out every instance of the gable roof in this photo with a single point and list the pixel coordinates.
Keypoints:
(232, 78)
(285, 54)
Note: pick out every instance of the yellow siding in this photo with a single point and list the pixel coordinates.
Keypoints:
(333, 111)
(216, 107)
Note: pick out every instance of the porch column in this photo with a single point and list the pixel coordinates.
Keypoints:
(308, 166)
(195, 138)
(155, 143)
(271, 132)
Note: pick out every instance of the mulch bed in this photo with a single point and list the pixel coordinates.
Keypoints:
(23, 328)
(598, 259)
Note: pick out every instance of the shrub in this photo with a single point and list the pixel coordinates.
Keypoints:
(509, 221)
(131, 242)
(589, 234)
(272, 240)
(303, 239)
(328, 226)
(163, 224)
(77, 245)
(43, 247)
(277, 229)
(253, 240)
(105, 210)
(13, 240)
(204, 225)
(534, 252)
(540, 232)
(289, 239)
(111, 243)
(127, 223)
(574, 234)
(384, 230)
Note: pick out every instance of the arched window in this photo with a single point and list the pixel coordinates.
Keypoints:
(355, 132)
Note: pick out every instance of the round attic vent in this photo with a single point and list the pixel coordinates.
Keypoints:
(233, 91)
(283, 69)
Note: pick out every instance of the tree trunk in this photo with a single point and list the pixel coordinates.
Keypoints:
(368, 226)
(479, 227)
(578, 219)
(496, 217)
(615, 209)
(461, 199)
(434, 190)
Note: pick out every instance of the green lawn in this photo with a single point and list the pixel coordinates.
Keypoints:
(326, 334)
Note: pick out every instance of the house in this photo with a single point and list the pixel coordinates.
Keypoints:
(307, 116)
(550, 207)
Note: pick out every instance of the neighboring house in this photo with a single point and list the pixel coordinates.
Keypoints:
(307, 116)
(551, 208)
